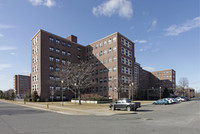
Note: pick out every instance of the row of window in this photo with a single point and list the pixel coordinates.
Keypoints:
(35, 87)
(35, 59)
(126, 61)
(126, 43)
(126, 70)
(105, 79)
(58, 88)
(35, 68)
(35, 50)
(57, 97)
(35, 78)
(35, 40)
(105, 42)
(58, 42)
(104, 52)
(126, 52)
(51, 58)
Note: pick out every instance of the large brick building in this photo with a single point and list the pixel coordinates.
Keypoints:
(112, 57)
(22, 85)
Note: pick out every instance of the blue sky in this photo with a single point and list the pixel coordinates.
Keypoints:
(166, 33)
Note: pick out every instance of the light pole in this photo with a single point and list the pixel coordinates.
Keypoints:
(132, 84)
(160, 91)
(75, 92)
(62, 90)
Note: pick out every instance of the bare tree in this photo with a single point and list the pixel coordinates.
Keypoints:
(76, 77)
(183, 83)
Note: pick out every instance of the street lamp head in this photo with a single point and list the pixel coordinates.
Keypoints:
(132, 83)
(74, 84)
(62, 81)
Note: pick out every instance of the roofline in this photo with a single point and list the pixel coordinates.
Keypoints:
(163, 70)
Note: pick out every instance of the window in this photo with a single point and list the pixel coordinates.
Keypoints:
(122, 50)
(101, 71)
(104, 88)
(51, 49)
(79, 57)
(63, 43)
(69, 45)
(122, 59)
(97, 80)
(109, 50)
(104, 61)
(122, 41)
(97, 54)
(109, 59)
(57, 60)
(114, 58)
(97, 46)
(68, 53)
(130, 71)
(57, 79)
(114, 68)
(109, 69)
(57, 51)
(109, 41)
(51, 87)
(126, 70)
(126, 61)
(127, 52)
(114, 39)
(63, 52)
(130, 54)
(100, 45)
(100, 89)
(100, 53)
(51, 39)
(104, 43)
(105, 79)
(122, 69)
(130, 63)
(51, 58)
(63, 61)
(114, 49)
(114, 78)
(100, 80)
(51, 77)
(78, 48)
(105, 70)
(110, 88)
(51, 68)
(110, 78)
(57, 69)
(57, 41)
(129, 45)
(97, 63)
(126, 43)
(105, 52)
(97, 71)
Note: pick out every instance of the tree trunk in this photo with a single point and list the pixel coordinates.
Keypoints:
(79, 97)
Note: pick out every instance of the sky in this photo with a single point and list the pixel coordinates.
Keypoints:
(166, 32)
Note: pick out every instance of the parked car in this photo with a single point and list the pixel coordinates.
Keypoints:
(125, 104)
(161, 102)
(180, 99)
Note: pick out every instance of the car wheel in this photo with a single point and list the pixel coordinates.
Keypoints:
(128, 108)
(112, 108)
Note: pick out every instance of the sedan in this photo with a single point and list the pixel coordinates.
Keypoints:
(161, 102)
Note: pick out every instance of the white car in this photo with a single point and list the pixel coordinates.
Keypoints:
(180, 99)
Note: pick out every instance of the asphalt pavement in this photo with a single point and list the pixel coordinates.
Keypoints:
(182, 118)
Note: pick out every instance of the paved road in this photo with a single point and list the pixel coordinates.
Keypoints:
(180, 118)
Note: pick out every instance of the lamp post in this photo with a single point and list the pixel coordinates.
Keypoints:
(62, 90)
(75, 92)
(160, 91)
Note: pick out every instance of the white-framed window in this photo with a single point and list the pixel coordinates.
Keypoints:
(114, 49)
(114, 58)
(109, 50)
(58, 88)
(57, 41)
(51, 68)
(51, 87)
(114, 78)
(57, 60)
(109, 41)
(69, 45)
(51, 49)
(97, 54)
(130, 54)
(63, 61)
(63, 43)
(126, 44)
(68, 53)
(57, 50)
(51, 77)
(100, 53)
(126, 70)
(109, 60)
(51, 39)
(122, 50)
(126, 52)
(35, 40)
(129, 45)
(57, 69)
(104, 61)
(58, 97)
(130, 71)
(109, 69)
(51, 58)
(114, 68)
(105, 52)
(100, 45)
(130, 63)
(104, 43)
(122, 41)
(110, 78)
(126, 61)
(63, 52)
(114, 39)
(122, 69)
(97, 46)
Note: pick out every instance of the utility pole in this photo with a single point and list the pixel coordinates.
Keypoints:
(160, 91)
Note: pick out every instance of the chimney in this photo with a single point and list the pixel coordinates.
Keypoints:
(72, 38)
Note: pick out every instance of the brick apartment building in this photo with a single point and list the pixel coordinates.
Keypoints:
(113, 59)
(22, 85)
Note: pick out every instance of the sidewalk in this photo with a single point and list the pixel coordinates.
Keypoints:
(74, 109)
